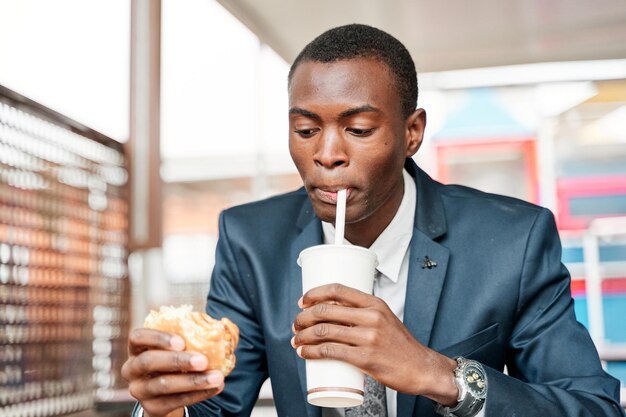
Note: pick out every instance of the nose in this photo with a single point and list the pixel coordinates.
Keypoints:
(330, 151)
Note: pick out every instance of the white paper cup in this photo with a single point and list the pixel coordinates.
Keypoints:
(332, 383)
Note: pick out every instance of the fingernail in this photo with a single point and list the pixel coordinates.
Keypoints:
(293, 328)
(293, 341)
(215, 378)
(300, 302)
(198, 362)
(177, 343)
(299, 351)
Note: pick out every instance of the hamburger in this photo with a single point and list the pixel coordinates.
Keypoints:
(215, 339)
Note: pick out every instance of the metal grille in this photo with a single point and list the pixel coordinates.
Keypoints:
(64, 287)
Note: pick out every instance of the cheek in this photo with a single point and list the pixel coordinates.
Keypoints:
(294, 150)
(383, 160)
(380, 171)
(298, 156)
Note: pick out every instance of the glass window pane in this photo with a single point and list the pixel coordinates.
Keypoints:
(71, 56)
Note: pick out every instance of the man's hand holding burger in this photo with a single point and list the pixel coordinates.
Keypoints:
(178, 359)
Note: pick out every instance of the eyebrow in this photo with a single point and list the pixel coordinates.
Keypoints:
(361, 109)
(305, 113)
(347, 113)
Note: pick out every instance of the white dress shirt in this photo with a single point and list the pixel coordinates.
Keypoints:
(392, 250)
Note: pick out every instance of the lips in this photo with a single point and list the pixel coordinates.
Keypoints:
(328, 196)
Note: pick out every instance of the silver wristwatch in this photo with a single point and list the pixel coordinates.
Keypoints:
(471, 380)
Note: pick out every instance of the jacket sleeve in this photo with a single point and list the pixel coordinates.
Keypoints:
(553, 366)
(229, 297)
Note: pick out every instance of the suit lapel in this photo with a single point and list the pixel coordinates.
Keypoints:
(422, 297)
(311, 235)
(424, 284)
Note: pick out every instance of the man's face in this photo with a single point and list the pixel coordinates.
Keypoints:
(346, 130)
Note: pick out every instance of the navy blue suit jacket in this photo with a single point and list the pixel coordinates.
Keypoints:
(499, 295)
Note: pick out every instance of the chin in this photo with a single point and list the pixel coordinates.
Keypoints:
(325, 212)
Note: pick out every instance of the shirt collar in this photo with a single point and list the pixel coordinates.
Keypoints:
(392, 244)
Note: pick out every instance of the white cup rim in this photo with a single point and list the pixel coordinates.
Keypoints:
(348, 248)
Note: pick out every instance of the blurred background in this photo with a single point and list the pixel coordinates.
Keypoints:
(126, 126)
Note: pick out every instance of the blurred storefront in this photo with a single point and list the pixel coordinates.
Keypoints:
(570, 157)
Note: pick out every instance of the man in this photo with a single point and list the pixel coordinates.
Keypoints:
(468, 282)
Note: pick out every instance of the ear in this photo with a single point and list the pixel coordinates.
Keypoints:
(414, 132)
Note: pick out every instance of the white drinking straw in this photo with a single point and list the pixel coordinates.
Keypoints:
(340, 217)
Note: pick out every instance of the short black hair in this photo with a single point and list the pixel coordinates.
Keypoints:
(363, 41)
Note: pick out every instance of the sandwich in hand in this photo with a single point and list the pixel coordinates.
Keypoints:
(215, 339)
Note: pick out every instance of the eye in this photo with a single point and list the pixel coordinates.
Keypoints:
(306, 133)
(360, 132)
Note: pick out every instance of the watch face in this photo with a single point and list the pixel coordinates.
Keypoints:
(475, 379)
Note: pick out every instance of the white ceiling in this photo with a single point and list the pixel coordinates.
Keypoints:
(452, 34)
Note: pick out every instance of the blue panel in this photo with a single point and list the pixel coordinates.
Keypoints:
(615, 317)
(608, 253)
(572, 254)
(580, 308)
(613, 253)
(615, 326)
(618, 370)
(597, 205)
(482, 115)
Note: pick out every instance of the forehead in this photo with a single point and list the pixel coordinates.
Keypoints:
(362, 79)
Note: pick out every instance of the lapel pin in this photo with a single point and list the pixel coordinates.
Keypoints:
(428, 263)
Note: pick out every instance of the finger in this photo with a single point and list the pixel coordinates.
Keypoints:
(175, 384)
(162, 361)
(335, 351)
(143, 339)
(330, 332)
(338, 294)
(334, 313)
(167, 403)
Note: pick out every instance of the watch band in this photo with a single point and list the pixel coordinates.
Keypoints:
(470, 402)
